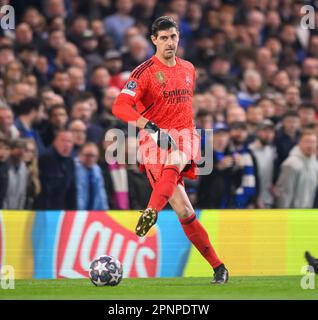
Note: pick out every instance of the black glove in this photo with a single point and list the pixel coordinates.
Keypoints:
(162, 138)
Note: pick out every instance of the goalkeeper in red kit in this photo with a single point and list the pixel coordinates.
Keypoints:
(158, 99)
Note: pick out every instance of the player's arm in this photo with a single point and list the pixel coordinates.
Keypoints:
(123, 108)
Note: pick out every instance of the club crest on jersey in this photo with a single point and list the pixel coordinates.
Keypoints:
(160, 77)
(131, 85)
(187, 80)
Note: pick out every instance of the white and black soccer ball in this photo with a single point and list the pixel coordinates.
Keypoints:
(105, 271)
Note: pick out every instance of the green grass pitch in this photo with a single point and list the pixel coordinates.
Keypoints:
(287, 287)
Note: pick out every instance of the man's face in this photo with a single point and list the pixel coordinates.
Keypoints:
(166, 42)
(63, 143)
(89, 156)
(101, 78)
(78, 129)
(82, 111)
(61, 81)
(292, 95)
(220, 140)
(308, 144)
(109, 97)
(22, 91)
(291, 124)
(238, 136)
(114, 65)
(307, 116)
(6, 119)
(59, 118)
(254, 115)
(266, 136)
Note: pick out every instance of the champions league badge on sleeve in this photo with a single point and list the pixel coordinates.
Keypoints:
(131, 85)
(130, 88)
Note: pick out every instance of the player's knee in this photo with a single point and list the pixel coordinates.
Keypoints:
(186, 212)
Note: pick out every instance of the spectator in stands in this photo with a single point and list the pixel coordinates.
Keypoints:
(246, 194)
(33, 185)
(114, 64)
(13, 73)
(286, 138)
(268, 109)
(204, 122)
(137, 52)
(50, 98)
(139, 188)
(29, 115)
(217, 190)
(251, 89)
(77, 81)
(56, 40)
(99, 82)
(265, 155)
(78, 129)
(78, 26)
(4, 168)
(64, 57)
(254, 116)
(18, 177)
(57, 175)
(90, 187)
(116, 180)
(117, 23)
(28, 54)
(107, 119)
(89, 50)
(7, 127)
(307, 114)
(61, 85)
(23, 35)
(57, 121)
(17, 92)
(235, 114)
(292, 98)
(6, 56)
(298, 180)
(82, 110)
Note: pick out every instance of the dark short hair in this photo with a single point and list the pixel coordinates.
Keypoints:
(163, 23)
(29, 104)
(290, 113)
(307, 131)
(307, 105)
(203, 113)
(56, 107)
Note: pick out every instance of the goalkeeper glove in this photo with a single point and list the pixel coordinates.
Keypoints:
(162, 138)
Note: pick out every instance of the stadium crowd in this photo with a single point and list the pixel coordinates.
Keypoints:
(66, 61)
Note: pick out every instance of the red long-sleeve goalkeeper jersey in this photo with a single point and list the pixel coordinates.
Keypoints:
(159, 93)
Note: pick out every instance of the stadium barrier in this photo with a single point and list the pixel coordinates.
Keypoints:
(61, 244)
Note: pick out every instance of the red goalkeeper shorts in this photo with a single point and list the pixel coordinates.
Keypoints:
(154, 158)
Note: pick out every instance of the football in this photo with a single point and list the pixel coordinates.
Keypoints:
(105, 271)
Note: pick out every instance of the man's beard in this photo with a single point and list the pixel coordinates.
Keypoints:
(264, 142)
(237, 142)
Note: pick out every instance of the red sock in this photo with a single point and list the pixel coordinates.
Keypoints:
(200, 239)
(164, 187)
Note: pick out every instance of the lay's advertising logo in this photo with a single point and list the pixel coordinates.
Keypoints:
(65, 242)
(86, 235)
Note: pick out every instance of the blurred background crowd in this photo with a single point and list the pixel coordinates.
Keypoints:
(66, 61)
